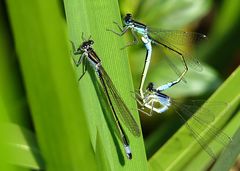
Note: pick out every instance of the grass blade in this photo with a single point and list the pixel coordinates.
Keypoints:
(41, 43)
(228, 157)
(182, 148)
(93, 18)
(21, 147)
(206, 163)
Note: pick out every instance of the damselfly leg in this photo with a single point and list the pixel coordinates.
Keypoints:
(169, 39)
(199, 124)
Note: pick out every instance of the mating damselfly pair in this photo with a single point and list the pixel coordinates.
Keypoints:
(151, 95)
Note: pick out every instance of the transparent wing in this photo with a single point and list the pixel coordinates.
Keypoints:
(121, 109)
(201, 124)
(171, 40)
(174, 68)
(178, 37)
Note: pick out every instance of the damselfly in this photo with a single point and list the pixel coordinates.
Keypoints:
(199, 124)
(165, 38)
(118, 107)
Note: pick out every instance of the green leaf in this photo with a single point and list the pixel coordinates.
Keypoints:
(20, 147)
(40, 38)
(93, 18)
(228, 157)
(13, 106)
(229, 153)
(182, 148)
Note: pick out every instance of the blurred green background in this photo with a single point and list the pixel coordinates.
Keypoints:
(49, 122)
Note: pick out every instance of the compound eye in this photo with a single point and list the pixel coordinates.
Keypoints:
(128, 19)
(150, 86)
(91, 42)
(83, 47)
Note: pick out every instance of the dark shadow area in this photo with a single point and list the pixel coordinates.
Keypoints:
(35, 149)
(106, 111)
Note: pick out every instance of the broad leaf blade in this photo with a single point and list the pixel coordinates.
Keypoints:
(181, 148)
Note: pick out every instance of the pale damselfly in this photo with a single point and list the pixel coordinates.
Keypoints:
(165, 38)
(199, 124)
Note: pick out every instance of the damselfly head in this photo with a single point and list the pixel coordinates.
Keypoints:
(150, 86)
(91, 42)
(128, 19)
(86, 45)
